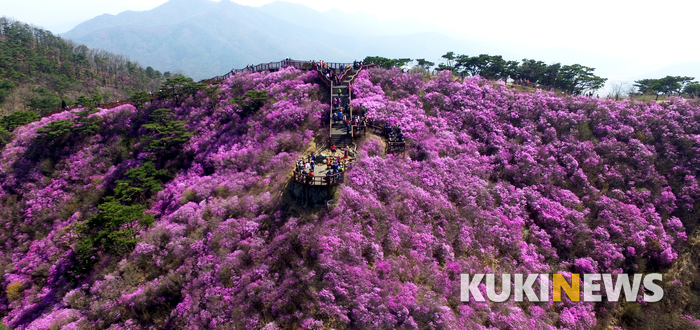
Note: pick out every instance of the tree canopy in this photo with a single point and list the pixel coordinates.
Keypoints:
(668, 86)
(179, 87)
(45, 71)
(387, 63)
(167, 134)
(574, 79)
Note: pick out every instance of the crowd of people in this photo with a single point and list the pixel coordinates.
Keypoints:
(357, 65)
(335, 76)
(393, 133)
(334, 166)
(354, 122)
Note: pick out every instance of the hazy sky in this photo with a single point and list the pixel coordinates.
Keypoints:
(647, 34)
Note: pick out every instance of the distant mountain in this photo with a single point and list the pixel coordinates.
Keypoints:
(204, 38)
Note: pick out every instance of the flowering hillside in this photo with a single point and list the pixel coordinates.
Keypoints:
(174, 215)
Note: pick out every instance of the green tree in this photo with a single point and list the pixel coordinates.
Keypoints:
(53, 68)
(251, 102)
(167, 134)
(450, 60)
(179, 88)
(549, 78)
(5, 137)
(465, 64)
(576, 79)
(382, 62)
(96, 97)
(87, 125)
(6, 88)
(150, 73)
(85, 101)
(674, 84)
(425, 64)
(118, 225)
(692, 89)
(684, 82)
(139, 99)
(510, 70)
(56, 131)
(63, 132)
(484, 65)
(140, 184)
(494, 67)
(647, 86)
(121, 215)
(664, 86)
(532, 70)
(43, 100)
(402, 61)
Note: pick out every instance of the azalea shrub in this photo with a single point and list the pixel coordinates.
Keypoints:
(178, 215)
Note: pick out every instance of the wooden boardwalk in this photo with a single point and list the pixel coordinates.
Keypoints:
(340, 135)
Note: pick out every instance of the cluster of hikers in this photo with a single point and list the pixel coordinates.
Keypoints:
(356, 65)
(352, 122)
(356, 123)
(338, 102)
(335, 165)
(393, 133)
(327, 71)
(331, 74)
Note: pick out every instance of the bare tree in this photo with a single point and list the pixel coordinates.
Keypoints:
(620, 89)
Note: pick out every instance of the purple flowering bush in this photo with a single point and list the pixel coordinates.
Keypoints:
(493, 182)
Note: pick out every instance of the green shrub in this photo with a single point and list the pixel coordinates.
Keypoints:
(17, 119)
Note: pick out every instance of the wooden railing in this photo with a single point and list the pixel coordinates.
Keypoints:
(274, 66)
(323, 181)
(359, 130)
(392, 147)
(328, 180)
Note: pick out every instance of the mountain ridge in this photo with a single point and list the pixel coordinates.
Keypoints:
(219, 36)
